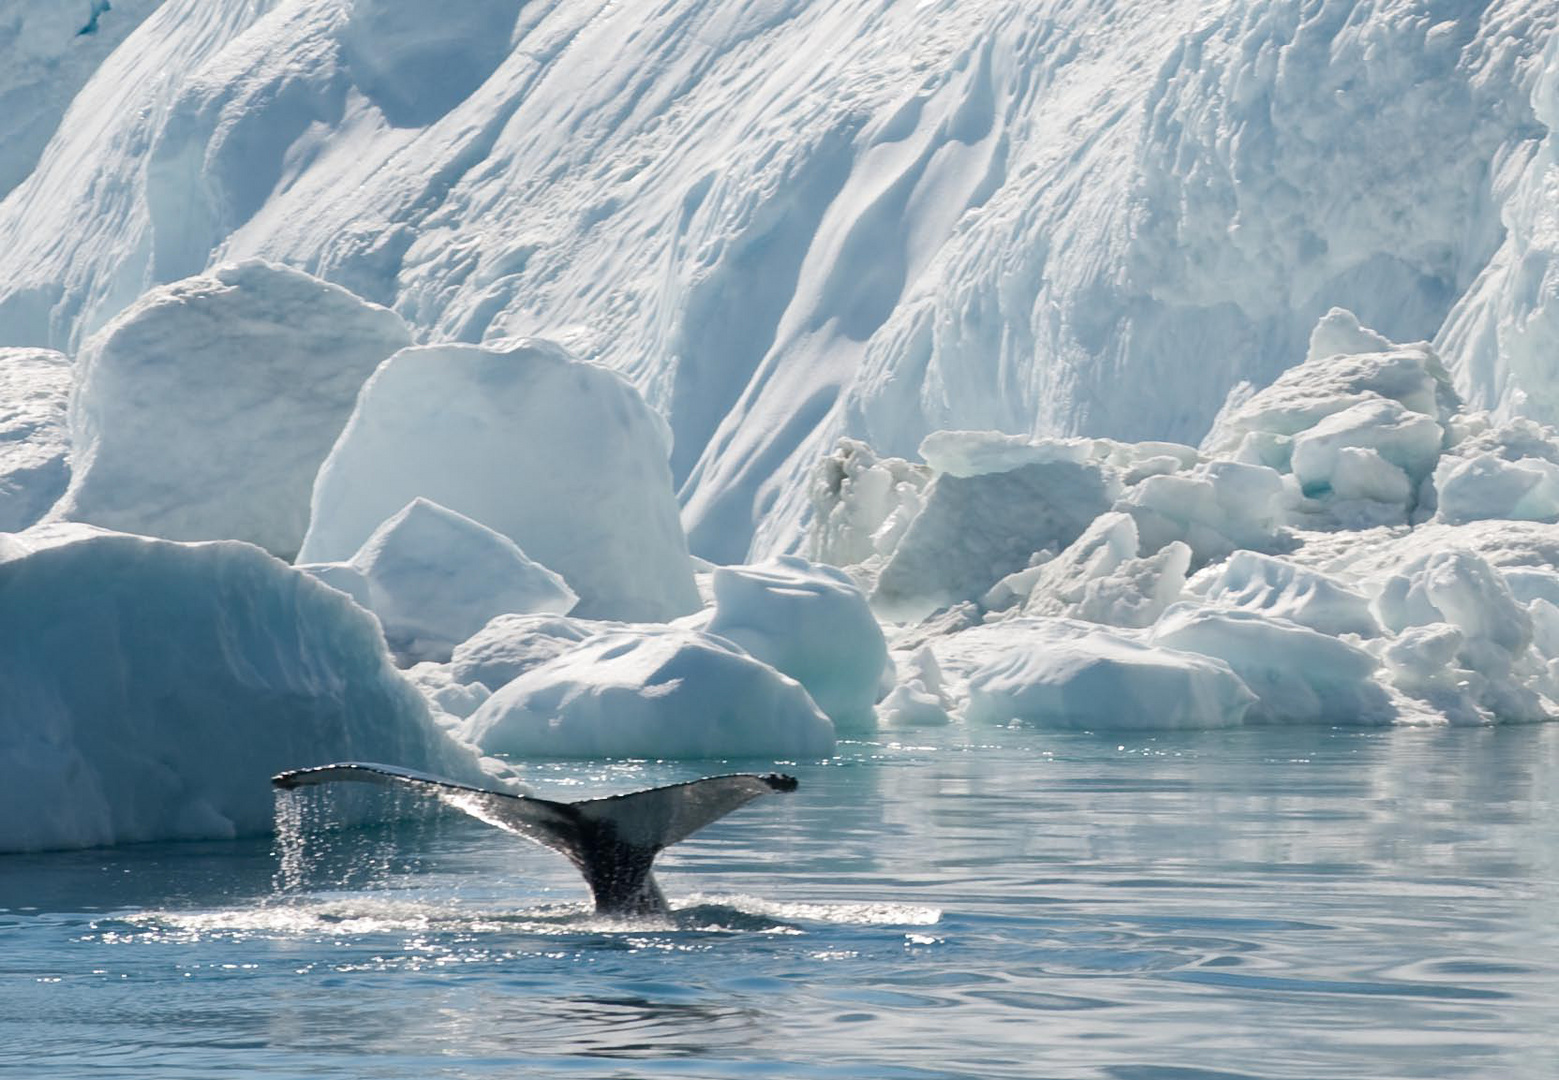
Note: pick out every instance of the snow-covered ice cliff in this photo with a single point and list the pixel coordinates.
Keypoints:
(787, 221)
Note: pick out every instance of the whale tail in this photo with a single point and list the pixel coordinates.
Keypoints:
(613, 841)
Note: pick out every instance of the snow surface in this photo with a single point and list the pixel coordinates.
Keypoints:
(434, 578)
(204, 410)
(562, 457)
(150, 689)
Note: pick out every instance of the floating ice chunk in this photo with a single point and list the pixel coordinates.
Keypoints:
(205, 409)
(1338, 333)
(1215, 509)
(455, 699)
(917, 698)
(661, 693)
(979, 453)
(1530, 583)
(974, 530)
(1409, 440)
(149, 690)
(1492, 657)
(1304, 395)
(1298, 675)
(562, 457)
(1362, 473)
(1423, 663)
(1487, 486)
(1052, 675)
(862, 503)
(1284, 590)
(34, 438)
(912, 704)
(436, 577)
(1511, 471)
(1502, 544)
(1460, 588)
(511, 645)
(810, 622)
(1099, 577)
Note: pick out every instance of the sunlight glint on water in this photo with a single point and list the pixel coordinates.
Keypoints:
(1250, 904)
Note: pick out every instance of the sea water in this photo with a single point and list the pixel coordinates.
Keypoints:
(969, 903)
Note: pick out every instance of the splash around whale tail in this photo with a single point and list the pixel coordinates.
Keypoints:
(613, 841)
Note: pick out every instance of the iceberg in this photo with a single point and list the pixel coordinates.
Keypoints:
(510, 645)
(205, 409)
(651, 693)
(810, 622)
(985, 518)
(562, 457)
(1299, 675)
(434, 578)
(149, 689)
(1056, 674)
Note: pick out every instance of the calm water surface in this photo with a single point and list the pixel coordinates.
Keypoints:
(994, 903)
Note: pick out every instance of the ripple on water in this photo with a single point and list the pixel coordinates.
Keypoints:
(1251, 906)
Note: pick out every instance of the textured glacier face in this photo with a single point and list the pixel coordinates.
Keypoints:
(48, 50)
(786, 222)
(34, 436)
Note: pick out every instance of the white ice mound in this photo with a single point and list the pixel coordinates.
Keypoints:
(1299, 676)
(1360, 430)
(652, 693)
(1462, 640)
(1510, 471)
(1003, 500)
(562, 457)
(34, 392)
(1364, 367)
(1059, 674)
(1100, 577)
(510, 645)
(204, 410)
(862, 503)
(149, 690)
(1285, 590)
(918, 698)
(435, 577)
(811, 622)
(1214, 508)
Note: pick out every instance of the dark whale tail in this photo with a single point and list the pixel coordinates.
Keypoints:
(613, 841)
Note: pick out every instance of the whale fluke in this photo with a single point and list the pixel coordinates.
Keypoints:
(613, 841)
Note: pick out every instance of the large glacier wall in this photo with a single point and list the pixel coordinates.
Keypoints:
(788, 221)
